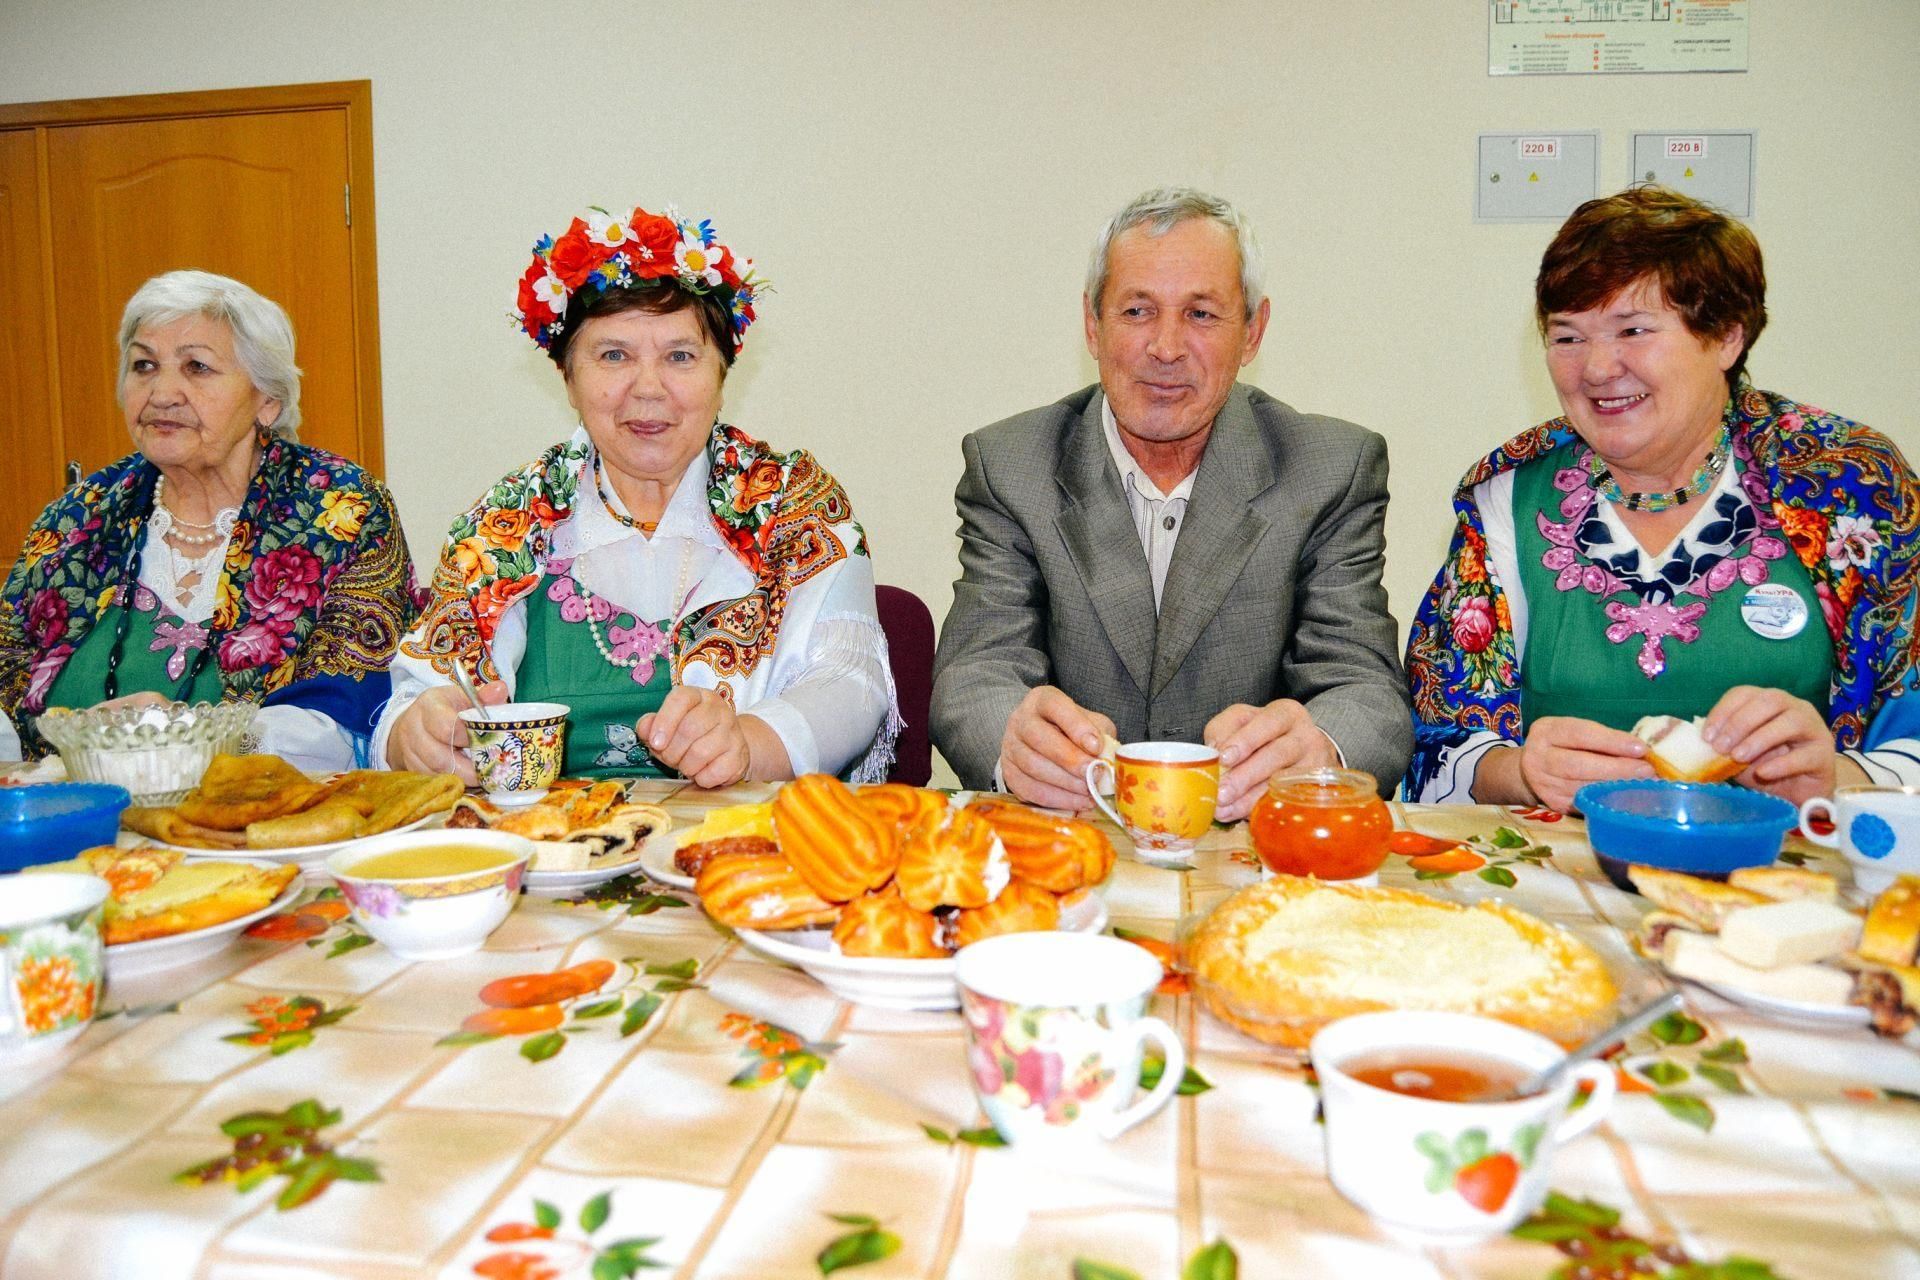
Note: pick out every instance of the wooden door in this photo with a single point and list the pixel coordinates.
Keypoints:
(272, 187)
(29, 462)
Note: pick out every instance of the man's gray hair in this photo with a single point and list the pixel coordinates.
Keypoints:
(262, 334)
(1159, 211)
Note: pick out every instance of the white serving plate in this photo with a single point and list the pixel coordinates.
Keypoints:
(884, 983)
(127, 960)
(1832, 1015)
(307, 856)
(656, 859)
(548, 882)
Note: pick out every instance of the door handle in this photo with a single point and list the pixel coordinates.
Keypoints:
(73, 473)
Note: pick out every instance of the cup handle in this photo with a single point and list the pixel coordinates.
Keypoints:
(1093, 788)
(1599, 1077)
(1176, 1057)
(1824, 807)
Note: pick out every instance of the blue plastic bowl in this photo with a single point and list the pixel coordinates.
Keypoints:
(53, 821)
(1696, 828)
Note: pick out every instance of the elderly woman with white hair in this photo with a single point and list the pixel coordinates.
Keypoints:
(220, 561)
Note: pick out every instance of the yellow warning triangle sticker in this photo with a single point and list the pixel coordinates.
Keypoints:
(1533, 177)
(1688, 173)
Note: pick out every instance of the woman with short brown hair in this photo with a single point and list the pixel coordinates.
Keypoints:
(1676, 543)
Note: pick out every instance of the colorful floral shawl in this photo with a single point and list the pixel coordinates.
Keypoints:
(316, 591)
(1848, 504)
(783, 515)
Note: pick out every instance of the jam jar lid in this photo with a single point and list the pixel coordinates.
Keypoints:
(1325, 788)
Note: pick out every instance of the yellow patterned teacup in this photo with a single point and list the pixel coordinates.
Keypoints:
(1164, 793)
(517, 749)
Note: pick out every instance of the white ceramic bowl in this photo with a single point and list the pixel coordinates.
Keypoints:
(432, 917)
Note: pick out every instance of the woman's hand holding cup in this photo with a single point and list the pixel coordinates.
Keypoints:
(429, 736)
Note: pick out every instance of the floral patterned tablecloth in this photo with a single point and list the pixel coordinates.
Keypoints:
(618, 1084)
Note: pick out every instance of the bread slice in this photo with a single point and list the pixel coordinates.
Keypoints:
(1676, 750)
(1786, 933)
(1284, 957)
(1787, 884)
(1892, 933)
(1705, 902)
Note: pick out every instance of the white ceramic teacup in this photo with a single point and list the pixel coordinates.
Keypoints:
(51, 965)
(1163, 795)
(1448, 1172)
(1055, 1026)
(517, 748)
(1877, 830)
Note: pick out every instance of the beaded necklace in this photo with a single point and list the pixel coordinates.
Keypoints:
(123, 622)
(681, 593)
(1703, 480)
(606, 500)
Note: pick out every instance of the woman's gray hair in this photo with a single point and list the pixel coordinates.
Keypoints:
(1159, 211)
(262, 334)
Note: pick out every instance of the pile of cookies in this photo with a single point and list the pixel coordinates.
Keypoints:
(895, 870)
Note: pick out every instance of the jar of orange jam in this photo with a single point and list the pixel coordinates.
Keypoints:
(1327, 823)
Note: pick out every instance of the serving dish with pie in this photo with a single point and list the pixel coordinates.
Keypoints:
(583, 832)
(165, 909)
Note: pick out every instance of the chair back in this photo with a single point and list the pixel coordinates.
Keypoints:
(909, 627)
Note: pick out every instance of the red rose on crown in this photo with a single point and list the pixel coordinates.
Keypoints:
(655, 236)
(574, 255)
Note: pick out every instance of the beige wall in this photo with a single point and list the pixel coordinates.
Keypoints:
(920, 182)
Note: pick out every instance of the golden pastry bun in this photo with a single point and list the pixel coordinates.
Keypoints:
(838, 845)
(1283, 958)
(882, 924)
(755, 891)
(944, 862)
(1892, 932)
(1020, 908)
(1057, 853)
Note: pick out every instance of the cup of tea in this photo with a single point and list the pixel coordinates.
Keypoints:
(51, 961)
(1876, 829)
(517, 748)
(1055, 1027)
(1420, 1132)
(1163, 795)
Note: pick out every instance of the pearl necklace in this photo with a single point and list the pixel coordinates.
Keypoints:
(680, 593)
(173, 527)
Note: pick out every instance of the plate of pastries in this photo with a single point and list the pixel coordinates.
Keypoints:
(263, 807)
(584, 832)
(1281, 959)
(872, 891)
(165, 909)
(1782, 941)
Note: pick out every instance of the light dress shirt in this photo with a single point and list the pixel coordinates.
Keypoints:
(1893, 763)
(304, 738)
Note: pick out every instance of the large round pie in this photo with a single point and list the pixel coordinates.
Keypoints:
(1283, 958)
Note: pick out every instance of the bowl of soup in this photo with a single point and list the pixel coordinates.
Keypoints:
(429, 895)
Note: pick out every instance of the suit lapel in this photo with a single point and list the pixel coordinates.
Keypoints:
(1103, 544)
(1219, 535)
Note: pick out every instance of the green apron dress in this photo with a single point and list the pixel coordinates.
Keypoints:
(1572, 668)
(564, 664)
(155, 637)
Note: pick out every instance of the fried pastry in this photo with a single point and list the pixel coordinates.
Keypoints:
(326, 823)
(238, 790)
(947, 860)
(883, 924)
(1892, 934)
(749, 891)
(1282, 958)
(169, 827)
(899, 805)
(1707, 903)
(838, 845)
(1057, 853)
(1022, 907)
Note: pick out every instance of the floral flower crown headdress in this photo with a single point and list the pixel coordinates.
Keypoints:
(602, 250)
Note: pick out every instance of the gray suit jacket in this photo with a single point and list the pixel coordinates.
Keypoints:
(1274, 589)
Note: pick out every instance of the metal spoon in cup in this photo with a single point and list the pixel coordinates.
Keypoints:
(465, 681)
(1645, 1015)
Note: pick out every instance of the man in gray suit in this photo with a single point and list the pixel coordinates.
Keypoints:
(1171, 555)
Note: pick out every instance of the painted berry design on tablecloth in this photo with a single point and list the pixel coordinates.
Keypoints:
(536, 1006)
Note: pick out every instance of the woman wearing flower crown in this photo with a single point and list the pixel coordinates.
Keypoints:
(703, 604)
(223, 560)
(1677, 543)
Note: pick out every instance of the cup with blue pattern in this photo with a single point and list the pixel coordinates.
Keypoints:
(1877, 830)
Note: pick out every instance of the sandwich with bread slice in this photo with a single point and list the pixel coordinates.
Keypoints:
(1780, 933)
(1678, 750)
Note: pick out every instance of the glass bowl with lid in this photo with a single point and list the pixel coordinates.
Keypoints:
(1330, 824)
(156, 752)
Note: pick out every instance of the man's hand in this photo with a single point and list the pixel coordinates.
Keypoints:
(698, 733)
(1563, 754)
(1783, 740)
(429, 737)
(1049, 742)
(1255, 744)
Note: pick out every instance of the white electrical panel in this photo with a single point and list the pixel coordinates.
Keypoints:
(1711, 165)
(1535, 177)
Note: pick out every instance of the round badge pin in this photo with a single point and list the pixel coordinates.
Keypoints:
(1775, 611)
